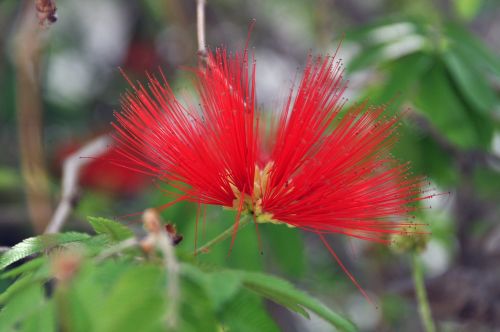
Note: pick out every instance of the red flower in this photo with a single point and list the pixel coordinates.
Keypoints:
(312, 166)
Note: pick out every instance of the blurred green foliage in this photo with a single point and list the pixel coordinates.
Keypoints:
(442, 72)
(90, 293)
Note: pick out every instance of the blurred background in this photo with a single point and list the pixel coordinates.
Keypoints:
(438, 60)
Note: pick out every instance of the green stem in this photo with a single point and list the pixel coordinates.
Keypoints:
(423, 302)
(245, 220)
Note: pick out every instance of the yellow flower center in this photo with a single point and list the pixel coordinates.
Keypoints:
(253, 204)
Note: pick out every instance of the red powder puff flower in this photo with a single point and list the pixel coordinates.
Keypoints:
(312, 166)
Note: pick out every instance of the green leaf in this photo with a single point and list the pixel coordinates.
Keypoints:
(403, 75)
(97, 243)
(383, 42)
(438, 100)
(246, 313)
(88, 291)
(284, 293)
(16, 287)
(472, 47)
(26, 302)
(26, 267)
(366, 58)
(437, 163)
(42, 319)
(389, 28)
(471, 81)
(135, 303)
(196, 311)
(37, 244)
(117, 295)
(278, 295)
(220, 286)
(275, 289)
(37, 276)
(115, 230)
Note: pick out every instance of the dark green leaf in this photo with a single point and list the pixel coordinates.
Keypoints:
(438, 100)
(26, 267)
(473, 48)
(26, 280)
(113, 229)
(437, 163)
(471, 81)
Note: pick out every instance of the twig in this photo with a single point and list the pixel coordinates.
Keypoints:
(222, 236)
(71, 172)
(116, 249)
(200, 29)
(165, 243)
(166, 246)
(468, 156)
(27, 51)
(423, 302)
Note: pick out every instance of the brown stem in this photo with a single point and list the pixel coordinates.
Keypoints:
(29, 114)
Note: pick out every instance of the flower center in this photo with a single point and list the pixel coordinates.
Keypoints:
(252, 204)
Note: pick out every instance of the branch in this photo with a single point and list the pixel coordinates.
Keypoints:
(426, 126)
(71, 173)
(116, 249)
(424, 308)
(27, 51)
(463, 156)
(164, 242)
(166, 246)
(222, 236)
(200, 29)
